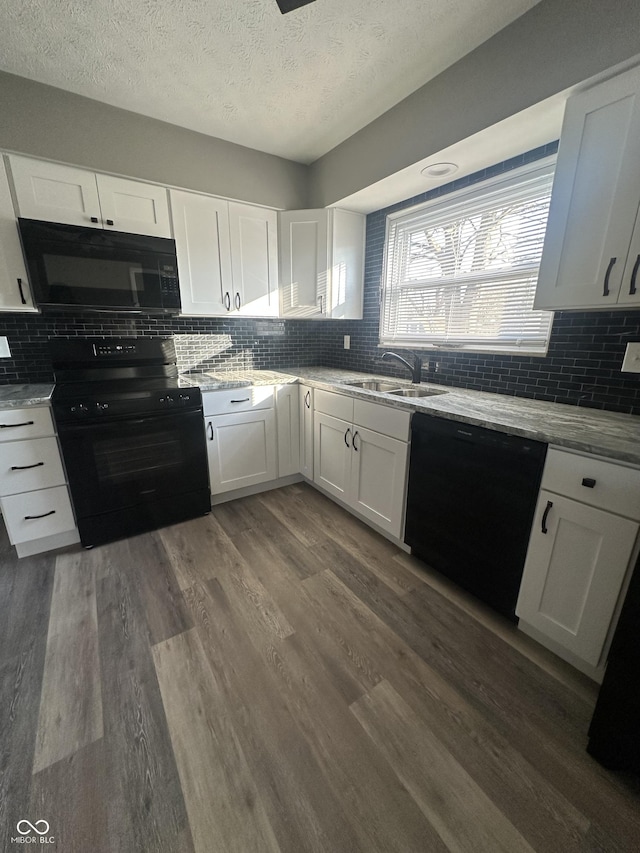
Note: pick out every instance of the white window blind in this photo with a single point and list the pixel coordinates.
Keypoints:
(462, 272)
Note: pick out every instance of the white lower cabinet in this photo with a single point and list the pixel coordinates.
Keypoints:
(579, 556)
(288, 429)
(34, 498)
(306, 431)
(363, 468)
(240, 426)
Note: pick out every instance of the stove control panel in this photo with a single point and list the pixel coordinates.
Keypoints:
(108, 349)
(127, 403)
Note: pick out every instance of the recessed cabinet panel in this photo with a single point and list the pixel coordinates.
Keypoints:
(15, 294)
(332, 455)
(596, 193)
(378, 478)
(56, 193)
(134, 207)
(577, 560)
(201, 227)
(288, 429)
(241, 449)
(306, 430)
(254, 259)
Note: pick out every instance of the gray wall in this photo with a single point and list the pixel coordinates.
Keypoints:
(555, 45)
(58, 125)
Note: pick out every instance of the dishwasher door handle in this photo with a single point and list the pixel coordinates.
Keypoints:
(545, 515)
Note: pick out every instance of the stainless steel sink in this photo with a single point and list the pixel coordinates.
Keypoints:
(387, 387)
(416, 392)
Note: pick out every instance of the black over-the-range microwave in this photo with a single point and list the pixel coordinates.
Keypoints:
(89, 269)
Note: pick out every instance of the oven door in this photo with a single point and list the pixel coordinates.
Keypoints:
(129, 462)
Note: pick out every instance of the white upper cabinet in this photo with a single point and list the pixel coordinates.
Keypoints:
(227, 256)
(134, 207)
(321, 264)
(591, 254)
(253, 233)
(15, 294)
(201, 228)
(56, 193)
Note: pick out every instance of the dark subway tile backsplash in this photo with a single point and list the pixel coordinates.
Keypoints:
(248, 343)
(582, 366)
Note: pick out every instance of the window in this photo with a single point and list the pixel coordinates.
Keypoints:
(461, 272)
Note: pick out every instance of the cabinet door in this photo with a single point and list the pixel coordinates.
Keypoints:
(55, 193)
(332, 455)
(574, 572)
(378, 475)
(306, 431)
(347, 264)
(134, 207)
(254, 259)
(304, 263)
(15, 294)
(201, 227)
(288, 424)
(241, 449)
(595, 198)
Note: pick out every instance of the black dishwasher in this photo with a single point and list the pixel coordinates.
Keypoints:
(471, 500)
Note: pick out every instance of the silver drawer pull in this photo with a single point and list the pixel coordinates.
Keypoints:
(44, 515)
(24, 467)
(10, 426)
(589, 482)
(245, 400)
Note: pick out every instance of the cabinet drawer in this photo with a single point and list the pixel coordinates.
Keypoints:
(29, 465)
(382, 419)
(616, 487)
(33, 515)
(30, 422)
(336, 405)
(232, 400)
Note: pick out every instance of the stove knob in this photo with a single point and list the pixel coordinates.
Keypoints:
(80, 409)
(101, 406)
(170, 400)
(184, 398)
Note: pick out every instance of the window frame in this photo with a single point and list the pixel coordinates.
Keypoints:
(513, 177)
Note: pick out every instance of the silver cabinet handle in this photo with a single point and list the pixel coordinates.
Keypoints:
(545, 516)
(353, 441)
(227, 301)
(345, 438)
(244, 400)
(237, 301)
(307, 399)
(24, 467)
(321, 301)
(22, 299)
(210, 429)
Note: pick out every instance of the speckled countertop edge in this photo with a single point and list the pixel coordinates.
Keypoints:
(607, 434)
(20, 396)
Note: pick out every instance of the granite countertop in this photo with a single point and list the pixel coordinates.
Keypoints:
(588, 430)
(19, 396)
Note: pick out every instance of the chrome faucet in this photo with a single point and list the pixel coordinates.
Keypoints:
(415, 369)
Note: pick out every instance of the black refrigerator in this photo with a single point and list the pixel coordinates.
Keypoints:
(614, 734)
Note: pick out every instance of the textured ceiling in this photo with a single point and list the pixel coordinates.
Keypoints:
(294, 85)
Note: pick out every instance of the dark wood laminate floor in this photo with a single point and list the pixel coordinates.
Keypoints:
(277, 677)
